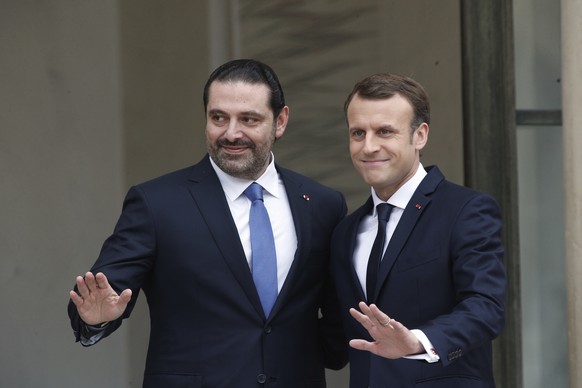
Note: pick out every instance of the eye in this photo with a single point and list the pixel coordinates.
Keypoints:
(358, 133)
(249, 120)
(385, 132)
(216, 117)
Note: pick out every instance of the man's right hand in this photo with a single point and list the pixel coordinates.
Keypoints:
(96, 300)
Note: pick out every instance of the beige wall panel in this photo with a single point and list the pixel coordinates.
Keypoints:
(61, 178)
(164, 66)
(320, 49)
(97, 96)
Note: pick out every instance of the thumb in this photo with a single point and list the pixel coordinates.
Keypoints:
(360, 344)
(125, 296)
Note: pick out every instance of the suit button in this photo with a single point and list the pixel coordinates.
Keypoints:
(268, 329)
(262, 379)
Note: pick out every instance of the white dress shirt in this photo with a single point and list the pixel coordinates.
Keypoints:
(277, 205)
(367, 234)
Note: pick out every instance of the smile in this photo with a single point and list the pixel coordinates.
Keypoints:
(372, 163)
(234, 149)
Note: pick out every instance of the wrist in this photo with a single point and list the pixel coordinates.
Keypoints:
(99, 325)
(418, 348)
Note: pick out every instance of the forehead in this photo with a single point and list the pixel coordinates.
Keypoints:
(238, 94)
(392, 110)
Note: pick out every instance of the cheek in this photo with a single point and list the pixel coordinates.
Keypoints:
(209, 136)
(213, 132)
(354, 147)
(260, 137)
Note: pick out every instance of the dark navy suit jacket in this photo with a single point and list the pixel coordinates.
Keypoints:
(443, 274)
(176, 240)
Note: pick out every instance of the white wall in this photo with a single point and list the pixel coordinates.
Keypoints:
(538, 86)
(61, 177)
(94, 96)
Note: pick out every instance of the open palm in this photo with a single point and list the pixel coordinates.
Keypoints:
(97, 301)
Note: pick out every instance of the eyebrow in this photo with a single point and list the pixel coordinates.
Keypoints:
(382, 127)
(244, 113)
(388, 127)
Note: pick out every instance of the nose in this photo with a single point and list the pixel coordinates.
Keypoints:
(233, 131)
(370, 145)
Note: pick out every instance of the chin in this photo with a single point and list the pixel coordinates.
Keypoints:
(374, 180)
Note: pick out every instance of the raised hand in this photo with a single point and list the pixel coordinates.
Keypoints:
(96, 300)
(391, 338)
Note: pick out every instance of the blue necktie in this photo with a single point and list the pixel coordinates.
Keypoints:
(264, 258)
(384, 210)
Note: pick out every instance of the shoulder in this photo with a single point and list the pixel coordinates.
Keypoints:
(454, 200)
(437, 185)
(353, 219)
(173, 183)
(293, 178)
(168, 178)
(193, 172)
(325, 202)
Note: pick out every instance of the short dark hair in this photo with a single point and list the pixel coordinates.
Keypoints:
(249, 71)
(385, 85)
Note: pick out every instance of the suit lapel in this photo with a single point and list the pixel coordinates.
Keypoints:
(301, 212)
(207, 192)
(352, 234)
(412, 213)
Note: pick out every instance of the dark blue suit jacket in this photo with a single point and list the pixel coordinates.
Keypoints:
(176, 240)
(442, 273)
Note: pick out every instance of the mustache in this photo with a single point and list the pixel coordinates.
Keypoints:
(237, 143)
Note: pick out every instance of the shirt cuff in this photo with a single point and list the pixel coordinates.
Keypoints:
(430, 354)
(91, 334)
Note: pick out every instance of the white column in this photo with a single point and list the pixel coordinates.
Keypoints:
(572, 136)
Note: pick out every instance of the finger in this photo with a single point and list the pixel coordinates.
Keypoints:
(379, 316)
(363, 319)
(367, 312)
(357, 315)
(125, 296)
(397, 325)
(101, 280)
(360, 344)
(76, 298)
(372, 311)
(365, 308)
(82, 287)
(90, 282)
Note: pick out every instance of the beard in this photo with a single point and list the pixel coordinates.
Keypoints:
(249, 165)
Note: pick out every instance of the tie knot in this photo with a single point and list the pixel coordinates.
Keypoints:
(384, 210)
(254, 192)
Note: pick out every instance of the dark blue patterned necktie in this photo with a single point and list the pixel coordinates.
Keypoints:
(384, 210)
(264, 259)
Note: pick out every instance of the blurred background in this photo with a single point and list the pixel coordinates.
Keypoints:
(96, 96)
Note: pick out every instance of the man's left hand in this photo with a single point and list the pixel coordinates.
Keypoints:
(391, 338)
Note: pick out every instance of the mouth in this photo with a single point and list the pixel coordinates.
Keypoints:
(236, 148)
(374, 163)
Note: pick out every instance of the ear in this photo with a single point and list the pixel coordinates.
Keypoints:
(281, 122)
(420, 137)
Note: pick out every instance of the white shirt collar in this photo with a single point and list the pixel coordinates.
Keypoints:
(403, 195)
(233, 187)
